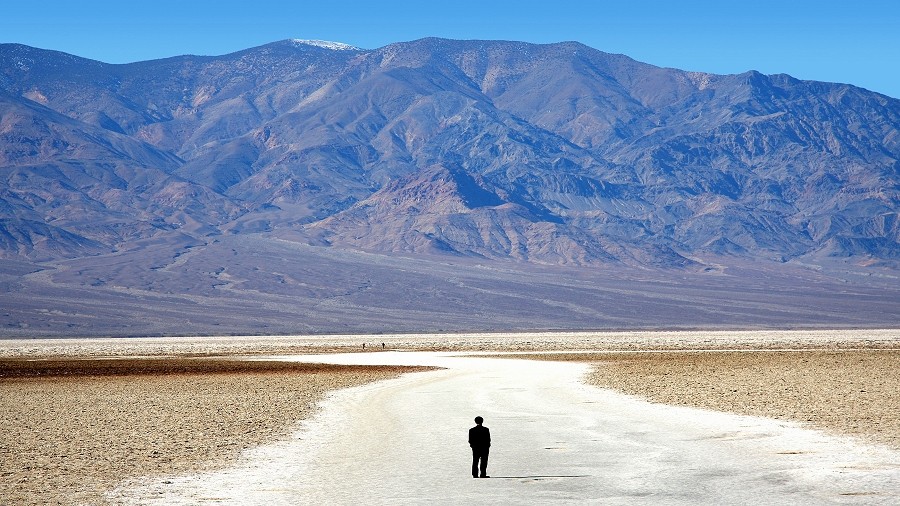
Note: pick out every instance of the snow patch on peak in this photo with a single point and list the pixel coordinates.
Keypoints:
(336, 46)
(700, 79)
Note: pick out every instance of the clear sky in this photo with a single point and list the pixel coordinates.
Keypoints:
(846, 41)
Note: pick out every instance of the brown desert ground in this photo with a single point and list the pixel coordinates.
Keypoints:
(82, 415)
(847, 392)
(75, 428)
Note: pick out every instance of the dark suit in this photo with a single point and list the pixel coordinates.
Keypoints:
(480, 441)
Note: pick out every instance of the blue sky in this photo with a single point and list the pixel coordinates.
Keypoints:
(854, 42)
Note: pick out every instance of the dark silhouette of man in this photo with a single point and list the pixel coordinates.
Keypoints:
(480, 441)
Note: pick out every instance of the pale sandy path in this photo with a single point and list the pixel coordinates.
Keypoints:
(403, 441)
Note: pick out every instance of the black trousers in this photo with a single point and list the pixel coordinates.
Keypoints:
(479, 454)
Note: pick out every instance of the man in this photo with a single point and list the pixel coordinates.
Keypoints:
(480, 441)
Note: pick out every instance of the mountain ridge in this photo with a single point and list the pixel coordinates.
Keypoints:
(610, 153)
(438, 185)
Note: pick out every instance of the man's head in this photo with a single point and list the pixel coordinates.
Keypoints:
(479, 420)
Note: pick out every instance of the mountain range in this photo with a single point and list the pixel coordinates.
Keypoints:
(534, 156)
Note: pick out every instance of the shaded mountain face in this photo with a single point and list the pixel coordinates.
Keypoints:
(557, 154)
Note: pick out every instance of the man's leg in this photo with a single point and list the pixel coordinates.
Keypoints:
(484, 459)
(475, 455)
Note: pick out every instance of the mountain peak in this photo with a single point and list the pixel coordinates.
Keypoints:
(335, 46)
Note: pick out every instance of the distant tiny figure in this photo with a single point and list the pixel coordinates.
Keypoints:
(364, 345)
(382, 346)
(480, 441)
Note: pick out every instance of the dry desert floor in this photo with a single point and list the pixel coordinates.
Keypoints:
(79, 428)
(80, 416)
(849, 392)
